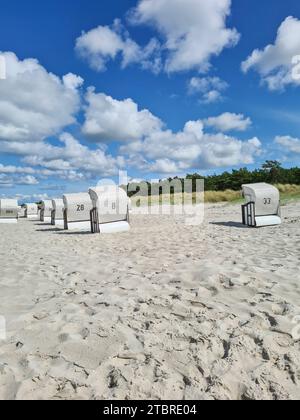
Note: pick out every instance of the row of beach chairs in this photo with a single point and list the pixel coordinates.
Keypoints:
(101, 210)
(106, 209)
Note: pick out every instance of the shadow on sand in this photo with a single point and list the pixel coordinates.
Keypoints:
(230, 224)
(55, 230)
(61, 231)
(66, 232)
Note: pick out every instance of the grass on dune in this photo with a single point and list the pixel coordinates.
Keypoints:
(188, 198)
(222, 196)
(288, 192)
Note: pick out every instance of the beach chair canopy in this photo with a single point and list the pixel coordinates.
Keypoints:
(111, 203)
(262, 204)
(31, 209)
(77, 207)
(58, 208)
(8, 209)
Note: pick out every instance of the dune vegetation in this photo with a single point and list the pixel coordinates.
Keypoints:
(223, 188)
(288, 192)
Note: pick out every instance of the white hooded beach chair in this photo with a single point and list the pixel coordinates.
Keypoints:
(262, 206)
(110, 213)
(21, 212)
(57, 214)
(8, 211)
(46, 210)
(31, 211)
(77, 212)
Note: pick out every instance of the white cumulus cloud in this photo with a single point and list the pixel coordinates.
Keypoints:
(229, 122)
(289, 144)
(275, 63)
(73, 160)
(210, 88)
(191, 148)
(35, 104)
(193, 30)
(11, 169)
(147, 144)
(105, 43)
(108, 119)
(10, 180)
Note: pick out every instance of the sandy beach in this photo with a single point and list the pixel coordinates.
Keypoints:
(165, 311)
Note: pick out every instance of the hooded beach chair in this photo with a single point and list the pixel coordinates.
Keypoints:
(110, 213)
(262, 206)
(46, 210)
(8, 211)
(57, 214)
(77, 212)
(21, 212)
(31, 211)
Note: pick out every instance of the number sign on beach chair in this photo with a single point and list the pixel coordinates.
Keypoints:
(77, 211)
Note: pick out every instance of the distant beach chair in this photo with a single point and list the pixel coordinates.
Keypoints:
(77, 212)
(57, 214)
(110, 212)
(262, 206)
(8, 211)
(21, 212)
(46, 210)
(31, 211)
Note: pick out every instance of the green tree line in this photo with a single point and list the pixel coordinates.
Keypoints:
(271, 172)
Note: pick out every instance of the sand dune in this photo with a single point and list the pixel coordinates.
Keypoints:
(166, 311)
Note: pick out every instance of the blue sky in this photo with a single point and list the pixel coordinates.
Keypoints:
(174, 105)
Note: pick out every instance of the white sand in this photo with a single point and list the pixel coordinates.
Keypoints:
(165, 311)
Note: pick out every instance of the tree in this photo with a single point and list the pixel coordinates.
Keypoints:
(270, 165)
(274, 171)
